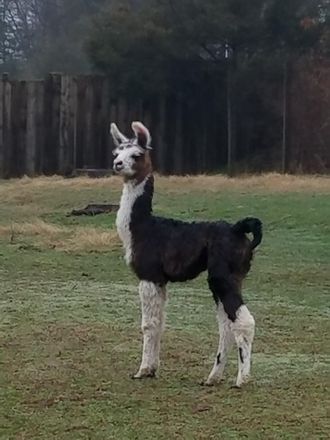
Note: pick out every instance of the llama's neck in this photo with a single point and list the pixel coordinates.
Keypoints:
(135, 207)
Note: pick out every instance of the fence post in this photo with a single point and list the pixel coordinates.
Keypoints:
(105, 123)
(229, 121)
(31, 129)
(18, 128)
(178, 159)
(2, 145)
(161, 144)
(52, 99)
(67, 124)
(89, 158)
(284, 117)
(40, 125)
(113, 118)
(6, 124)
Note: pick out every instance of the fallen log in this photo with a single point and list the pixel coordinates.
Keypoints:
(95, 209)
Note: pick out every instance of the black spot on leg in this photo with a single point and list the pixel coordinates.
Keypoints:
(240, 350)
(218, 358)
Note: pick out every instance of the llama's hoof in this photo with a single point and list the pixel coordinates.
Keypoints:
(212, 382)
(236, 387)
(144, 374)
(242, 381)
(207, 383)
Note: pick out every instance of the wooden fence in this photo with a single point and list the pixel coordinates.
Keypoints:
(61, 124)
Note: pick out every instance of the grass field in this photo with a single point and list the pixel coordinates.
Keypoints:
(69, 321)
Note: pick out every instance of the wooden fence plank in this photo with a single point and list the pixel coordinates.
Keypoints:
(104, 124)
(80, 122)
(31, 128)
(18, 127)
(98, 123)
(40, 126)
(7, 131)
(51, 137)
(67, 124)
(169, 133)
(13, 152)
(160, 141)
(113, 118)
(89, 101)
(202, 148)
(178, 162)
(2, 144)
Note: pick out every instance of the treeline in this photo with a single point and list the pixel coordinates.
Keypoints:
(243, 61)
(38, 36)
(162, 41)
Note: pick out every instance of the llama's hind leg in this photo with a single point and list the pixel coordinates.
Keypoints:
(243, 330)
(227, 291)
(153, 299)
(226, 340)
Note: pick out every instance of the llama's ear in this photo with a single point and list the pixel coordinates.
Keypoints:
(142, 134)
(117, 136)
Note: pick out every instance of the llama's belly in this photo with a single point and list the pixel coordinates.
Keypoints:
(161, 275)
(148, 272)
(160, 263)
(183, 269)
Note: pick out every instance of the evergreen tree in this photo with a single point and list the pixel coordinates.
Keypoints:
(166, 43)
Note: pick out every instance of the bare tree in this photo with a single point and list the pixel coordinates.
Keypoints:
(32, 29)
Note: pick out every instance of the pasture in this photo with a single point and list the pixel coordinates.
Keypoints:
(70, 331)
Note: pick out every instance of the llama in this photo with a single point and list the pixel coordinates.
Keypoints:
(161, 250)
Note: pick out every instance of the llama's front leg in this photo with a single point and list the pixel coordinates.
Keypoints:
(153, 300)
(226, 340)
(243, 330)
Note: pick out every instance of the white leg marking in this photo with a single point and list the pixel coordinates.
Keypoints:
(153, 300)
(243, 330)
(226, 340)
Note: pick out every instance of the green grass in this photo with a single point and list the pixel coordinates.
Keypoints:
(69, 320)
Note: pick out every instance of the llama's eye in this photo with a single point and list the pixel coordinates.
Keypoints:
(135, 156)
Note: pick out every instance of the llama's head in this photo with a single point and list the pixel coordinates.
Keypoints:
(132, 159)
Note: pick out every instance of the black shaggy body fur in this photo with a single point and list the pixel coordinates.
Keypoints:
(171, 250)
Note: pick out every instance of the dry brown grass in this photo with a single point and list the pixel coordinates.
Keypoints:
(28, 199)
(79, 239)
(21, 189)
(87, 239)
(36, 228)
(26, 191)
(54, 182)
(271, 182)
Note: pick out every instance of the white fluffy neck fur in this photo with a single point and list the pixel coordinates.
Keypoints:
(131, 191)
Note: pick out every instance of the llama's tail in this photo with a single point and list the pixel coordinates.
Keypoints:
(250, 224)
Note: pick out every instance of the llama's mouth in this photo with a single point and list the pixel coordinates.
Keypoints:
(118, 167)
(124, 172)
